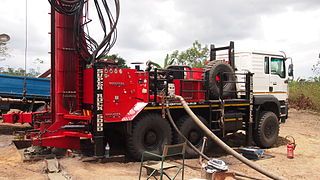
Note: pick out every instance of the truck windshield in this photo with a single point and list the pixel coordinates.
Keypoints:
(278, 67)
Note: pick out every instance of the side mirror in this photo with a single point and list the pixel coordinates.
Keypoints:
(290, 70)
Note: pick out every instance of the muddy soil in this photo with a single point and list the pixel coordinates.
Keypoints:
(304, 126)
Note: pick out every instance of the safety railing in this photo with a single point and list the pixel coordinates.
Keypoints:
(194, 84)
(248, 85)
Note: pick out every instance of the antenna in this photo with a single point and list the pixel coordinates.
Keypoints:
(25, 55)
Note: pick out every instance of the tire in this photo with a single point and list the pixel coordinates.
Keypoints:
(150, 132)
(216, 70)
(192, 132)
(267, 131)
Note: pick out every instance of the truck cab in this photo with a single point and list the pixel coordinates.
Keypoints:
(270, 72)
(271, 76)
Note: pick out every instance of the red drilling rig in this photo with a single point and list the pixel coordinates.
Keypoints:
(95, 103)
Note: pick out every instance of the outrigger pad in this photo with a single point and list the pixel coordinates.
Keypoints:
(22, 144)
(36, 153)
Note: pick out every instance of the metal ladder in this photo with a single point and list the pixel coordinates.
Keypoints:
(217, 124)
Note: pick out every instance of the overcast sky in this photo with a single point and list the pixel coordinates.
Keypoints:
(149, 29)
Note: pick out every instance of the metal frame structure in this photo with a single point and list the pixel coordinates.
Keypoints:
(90, 96)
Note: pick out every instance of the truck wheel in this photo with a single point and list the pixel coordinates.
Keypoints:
(192, 132)
(220, 71)
(150, 132)
(267, 131)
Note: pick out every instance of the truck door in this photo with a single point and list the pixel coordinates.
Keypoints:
(261, 77)
(267, 73)
(278, 82)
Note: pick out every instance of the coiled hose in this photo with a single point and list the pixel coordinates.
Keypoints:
(217, 141)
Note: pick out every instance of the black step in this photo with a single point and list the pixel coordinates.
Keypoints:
(233, 115)
(215, 121)
(216, 110)
(215, 130)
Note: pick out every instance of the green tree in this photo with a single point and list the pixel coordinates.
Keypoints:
(195, 56)
(120, 60)
(20, 72)
(32, 72)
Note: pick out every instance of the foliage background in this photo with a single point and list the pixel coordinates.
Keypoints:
(304, 95)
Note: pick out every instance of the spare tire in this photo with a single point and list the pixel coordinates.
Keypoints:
(220, 71)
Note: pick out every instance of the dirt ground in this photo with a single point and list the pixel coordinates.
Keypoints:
(302, 125)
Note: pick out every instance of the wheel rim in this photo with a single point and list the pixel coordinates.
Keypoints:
(150, 139)
(270, 129)
(224, 77)
(218, 78)
(194, 137)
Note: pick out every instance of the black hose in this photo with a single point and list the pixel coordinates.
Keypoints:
(179, 132)
(88, 48)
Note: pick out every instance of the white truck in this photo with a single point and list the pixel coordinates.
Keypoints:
(271, 74)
